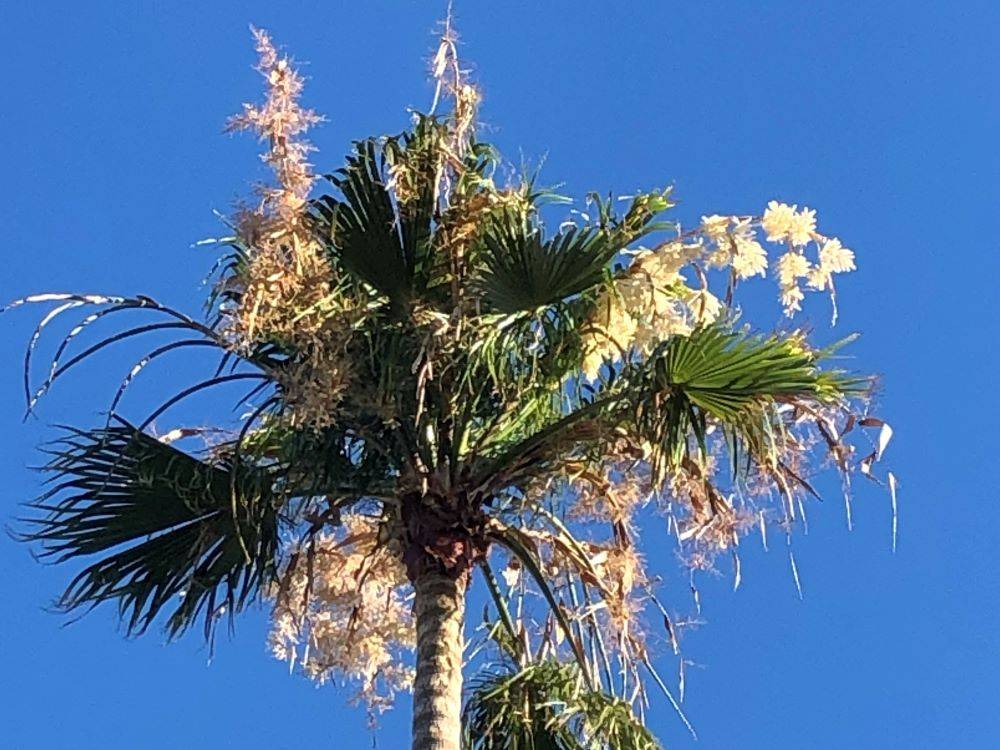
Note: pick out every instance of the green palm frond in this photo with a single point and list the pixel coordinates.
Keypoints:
(337, 463)
(362, 230)
(416, 155)
(524, 271)
(733, 379)
(547, 706)
(525, 359)
(170, 529)
(718, 376)
(536, 349)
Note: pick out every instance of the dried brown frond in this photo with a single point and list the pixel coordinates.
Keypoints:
(623, 571)
(313, 387)
(284, 291)
(610, 493)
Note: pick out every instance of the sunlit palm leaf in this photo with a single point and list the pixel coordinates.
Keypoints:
(539, 349)
(734, 379)
(174, 531)
(524, 271)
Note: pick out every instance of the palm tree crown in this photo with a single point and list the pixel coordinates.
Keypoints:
(441, 385)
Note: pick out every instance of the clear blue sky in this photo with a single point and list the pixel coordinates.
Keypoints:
(884, 116)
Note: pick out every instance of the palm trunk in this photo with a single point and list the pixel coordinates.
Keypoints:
(437, 689)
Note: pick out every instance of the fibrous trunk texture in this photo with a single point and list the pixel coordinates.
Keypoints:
(437, 689)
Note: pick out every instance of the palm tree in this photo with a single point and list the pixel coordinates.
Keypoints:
(442, 389)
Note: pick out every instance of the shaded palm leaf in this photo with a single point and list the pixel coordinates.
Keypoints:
(523, 271)
(361, 230)
(416, 154)
(546, 706)
(381, 240)
(314, 463)
(172, 528)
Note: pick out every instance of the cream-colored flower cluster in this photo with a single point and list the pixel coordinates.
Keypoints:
(734, 245)
(784, 223)
(281, 291)
(647, 304)
(652, 300)
(342, 614)
(797, 229)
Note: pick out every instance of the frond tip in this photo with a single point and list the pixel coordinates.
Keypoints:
(169, 528)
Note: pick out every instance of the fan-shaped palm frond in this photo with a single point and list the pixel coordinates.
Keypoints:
(362, 230)
(171, 527)
(414, 160)
(383, 241)
(547, 706)
(735, 380)
(524, 271)
(718, 376)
